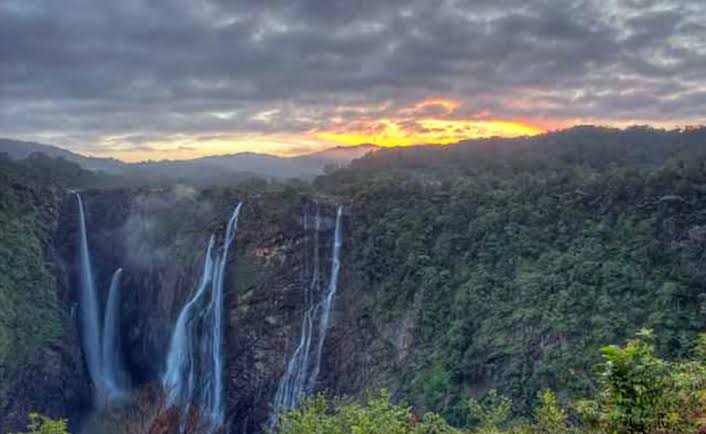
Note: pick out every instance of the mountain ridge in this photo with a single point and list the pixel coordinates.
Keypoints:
(202, 169)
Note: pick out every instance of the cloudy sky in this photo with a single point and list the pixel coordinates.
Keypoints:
(179, 78)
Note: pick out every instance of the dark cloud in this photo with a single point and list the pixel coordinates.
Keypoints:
(86, 70)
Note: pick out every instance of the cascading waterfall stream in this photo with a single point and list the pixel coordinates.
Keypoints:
(101, 350)
(110, 351)
(301, 374)
(327, 302)
(194, 369)
(179, 360)
(88, 304)
(296, 377)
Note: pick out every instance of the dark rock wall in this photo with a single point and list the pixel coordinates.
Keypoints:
(159, 238)
(55, 384)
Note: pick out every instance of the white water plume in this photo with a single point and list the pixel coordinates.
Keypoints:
(193, 378)
(304, 364)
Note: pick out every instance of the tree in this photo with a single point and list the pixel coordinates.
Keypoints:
(641, 393)
(550, 417)
(375, 415)
(491, 412)
(39, 424)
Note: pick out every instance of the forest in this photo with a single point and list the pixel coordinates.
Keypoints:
(554, 284)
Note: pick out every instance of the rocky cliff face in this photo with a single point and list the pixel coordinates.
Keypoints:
(159, 239)
(53, 382)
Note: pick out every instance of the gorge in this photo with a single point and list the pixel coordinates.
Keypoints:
(130, 336)
(437, 284)
(100, 345)
(353, 217)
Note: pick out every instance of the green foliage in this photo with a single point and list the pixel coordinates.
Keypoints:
(516, 277)
(39, 424)
(511, 266)
(376, 415)
(490, 413)
(587, 146)
(29, 315)
(638, 393)
(40, 170)
(634, 382)
(550, 417)
(641, 393)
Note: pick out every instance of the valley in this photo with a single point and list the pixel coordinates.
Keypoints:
(438, 283)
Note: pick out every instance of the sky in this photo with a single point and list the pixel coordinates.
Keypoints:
(152, 79)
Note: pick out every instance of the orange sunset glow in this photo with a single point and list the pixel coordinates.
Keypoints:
(436, 120)
(389, 132)
(210, 77)
(429, 121)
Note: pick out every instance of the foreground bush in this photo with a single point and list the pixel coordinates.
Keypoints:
(637, 393)
(376, 415)
(39, 424)
(641, 393)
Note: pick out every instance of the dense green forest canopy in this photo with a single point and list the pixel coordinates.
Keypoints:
(637, 392)
(587, 146)
(29, 311)
(520, 264)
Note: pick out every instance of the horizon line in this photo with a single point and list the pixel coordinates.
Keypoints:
(342, 146)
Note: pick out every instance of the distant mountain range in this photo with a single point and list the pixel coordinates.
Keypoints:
(204, 169)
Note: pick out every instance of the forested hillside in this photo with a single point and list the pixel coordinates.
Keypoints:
(587, 146)
(29, 318)
(515, 274)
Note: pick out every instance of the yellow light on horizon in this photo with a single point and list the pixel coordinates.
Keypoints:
(184, 147)
(435, 120)
(427, 131)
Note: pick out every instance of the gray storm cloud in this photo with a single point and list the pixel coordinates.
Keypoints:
(89, 69)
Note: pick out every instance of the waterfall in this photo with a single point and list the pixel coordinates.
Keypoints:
(88, 305)
(327, 302)
(179, 360)
(194, 368)
(101, 350)
(295, 378)
(301, 374)
(110, 355)
(218, 413)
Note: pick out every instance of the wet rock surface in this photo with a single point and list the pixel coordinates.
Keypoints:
(158, 238)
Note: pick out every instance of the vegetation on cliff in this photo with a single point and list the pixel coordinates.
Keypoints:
(637, 392)
(468, 269)
(29, 311)
(39, 424)
(514, 275)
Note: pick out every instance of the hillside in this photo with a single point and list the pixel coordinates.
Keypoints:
(210, 170)
(586, 146)
(16, 150)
